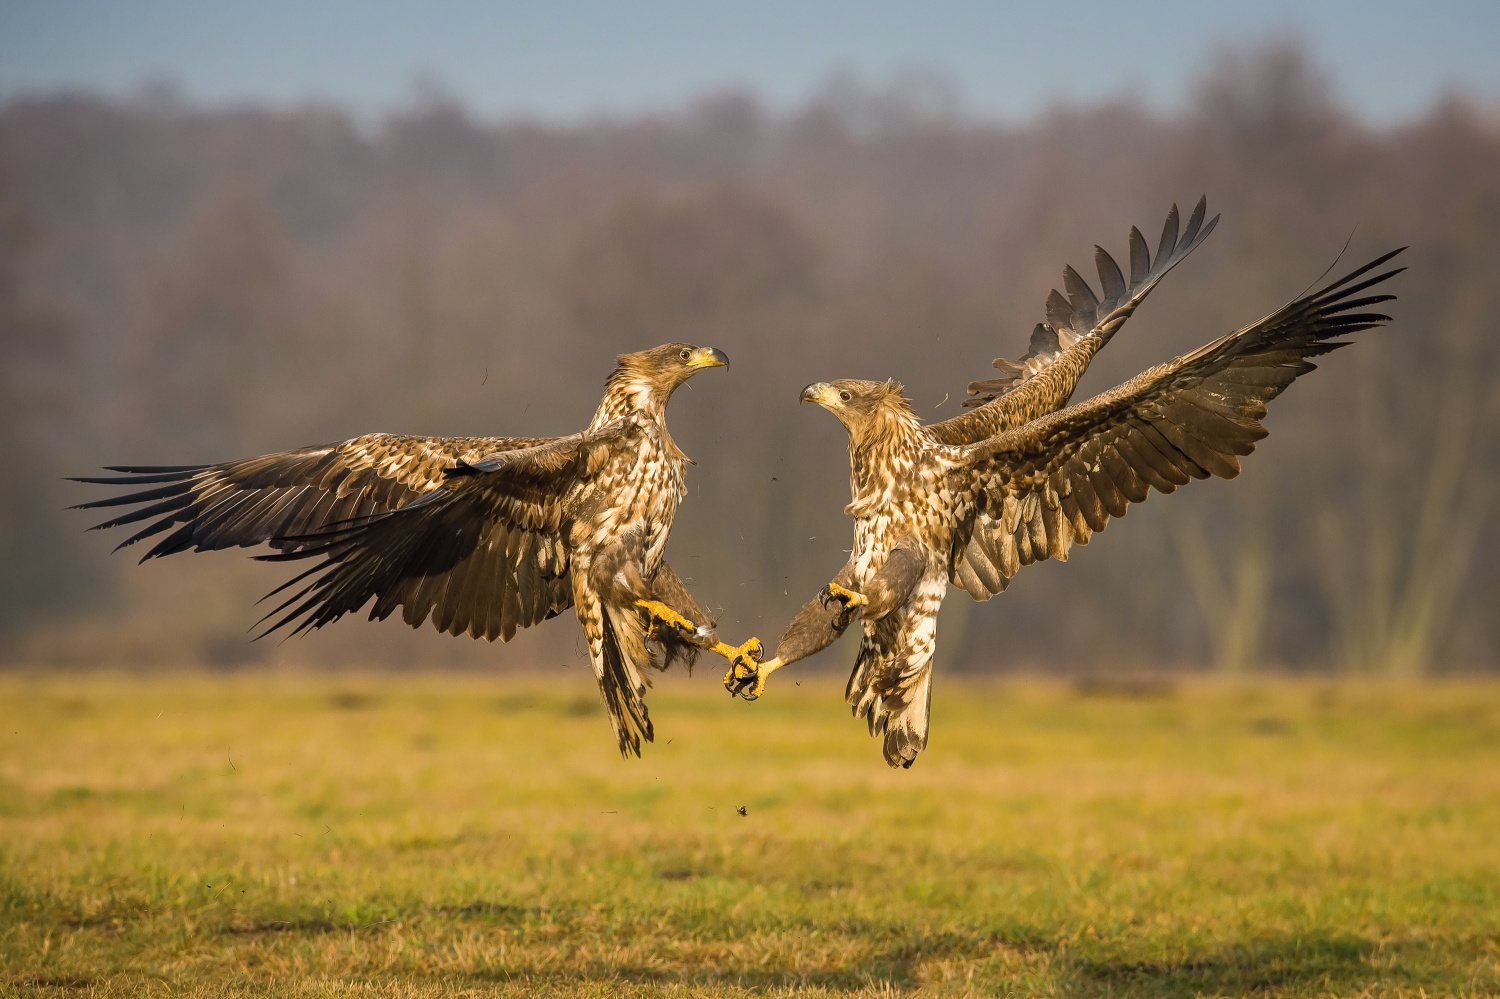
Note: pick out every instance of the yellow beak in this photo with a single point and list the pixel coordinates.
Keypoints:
(708, 357)
(823, 394)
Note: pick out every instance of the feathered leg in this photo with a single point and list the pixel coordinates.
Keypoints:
(617, 647)
(825, 617)
(891, 685)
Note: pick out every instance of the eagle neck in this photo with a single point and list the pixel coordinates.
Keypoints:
(640, 401)
(630, 393)
(880, 458)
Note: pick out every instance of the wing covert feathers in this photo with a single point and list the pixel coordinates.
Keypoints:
(485, 554)
(1059, 479)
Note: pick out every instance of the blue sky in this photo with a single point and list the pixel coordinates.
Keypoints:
(565, 59)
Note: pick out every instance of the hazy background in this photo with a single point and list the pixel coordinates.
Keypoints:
(225, 232)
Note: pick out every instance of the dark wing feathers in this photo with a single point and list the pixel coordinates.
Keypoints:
(1083, 313)
(483, 554)
(1078, 324)
(1140, 258)
(278, 496)
(504, 575)
(1111, 281)
(141, 474)
(1060, 478)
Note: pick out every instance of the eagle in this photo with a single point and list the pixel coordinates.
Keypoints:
(484, 535)
(1022, 475)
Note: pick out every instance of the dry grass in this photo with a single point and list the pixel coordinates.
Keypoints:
(416, 836)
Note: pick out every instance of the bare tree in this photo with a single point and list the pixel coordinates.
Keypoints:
(1394, 559)
(1233, 594)
(218, 335)
(38, 557)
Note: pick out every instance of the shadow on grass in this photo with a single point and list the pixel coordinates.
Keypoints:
(1295, 965)
(858, 956)
(1314, 962)
(309, 927)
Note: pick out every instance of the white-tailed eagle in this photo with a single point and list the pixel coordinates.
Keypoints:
(1020, 478)
(484, 535)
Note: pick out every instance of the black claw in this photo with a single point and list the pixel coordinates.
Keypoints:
(738, 686)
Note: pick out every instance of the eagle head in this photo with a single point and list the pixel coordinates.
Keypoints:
(872, 412)
(646, 379)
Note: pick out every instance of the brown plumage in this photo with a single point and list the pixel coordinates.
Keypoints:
(484, 535)
(1020, 479)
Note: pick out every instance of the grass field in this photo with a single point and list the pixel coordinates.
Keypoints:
(337, 835)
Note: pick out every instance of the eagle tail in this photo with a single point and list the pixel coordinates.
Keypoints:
(896, 700)
(623, 680)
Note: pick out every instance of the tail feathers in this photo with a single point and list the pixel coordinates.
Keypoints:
(624, 679)
(895, 698)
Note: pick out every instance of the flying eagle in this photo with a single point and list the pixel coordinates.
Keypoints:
(483, 534)
(1019, 479)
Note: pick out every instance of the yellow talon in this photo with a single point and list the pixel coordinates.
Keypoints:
(747, 674)
(750, 650)
(851, 600)
(662, 614)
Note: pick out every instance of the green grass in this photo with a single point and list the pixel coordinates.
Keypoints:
(440, 834)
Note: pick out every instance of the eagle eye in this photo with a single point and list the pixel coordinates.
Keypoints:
(845, 396)
(684, 353)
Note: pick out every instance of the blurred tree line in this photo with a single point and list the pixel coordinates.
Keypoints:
(186, 285)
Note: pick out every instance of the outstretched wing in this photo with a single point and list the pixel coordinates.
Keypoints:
(485, 553)
(1076, 328)
(1059, 479)
(276, 497)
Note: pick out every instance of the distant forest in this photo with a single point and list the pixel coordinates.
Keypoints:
(185, 284)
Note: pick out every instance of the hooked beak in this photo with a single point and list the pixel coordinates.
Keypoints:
(708, 357)
(823, 394)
